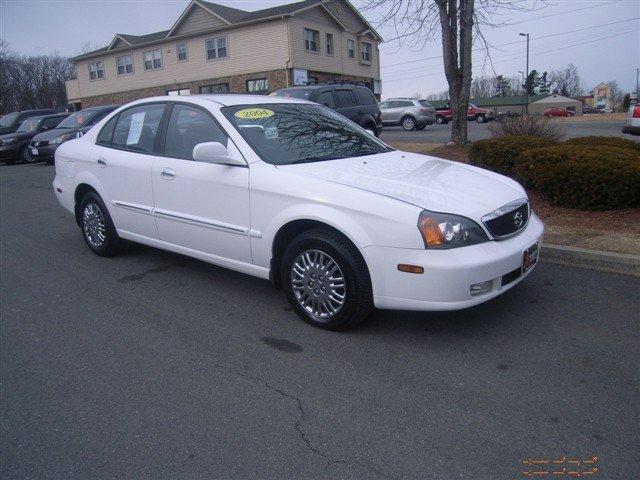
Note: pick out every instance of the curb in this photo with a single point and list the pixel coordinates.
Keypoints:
(625, 263)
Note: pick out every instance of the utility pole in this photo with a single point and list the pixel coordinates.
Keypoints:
(637, 75)
(522, 95)
(526, 105)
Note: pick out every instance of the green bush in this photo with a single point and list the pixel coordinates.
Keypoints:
(499, 154)
(587, 178)
(604, 142)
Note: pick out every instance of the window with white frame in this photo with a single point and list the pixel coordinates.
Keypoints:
(311, 40)
(351, 49)
(366, 52)
(96, 70)
(124, 64)
(216, 48)
(152, 59)
(181, 51)
(258, 85)
(329, 44)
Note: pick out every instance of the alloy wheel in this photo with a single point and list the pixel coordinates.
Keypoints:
(93, 225)
(408, 123)
(318, 284)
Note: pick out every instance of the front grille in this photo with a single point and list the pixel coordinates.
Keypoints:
(508, 220)
(42, 143)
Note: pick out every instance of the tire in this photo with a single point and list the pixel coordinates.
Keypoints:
(480, 118)
(408, 123)
(568, 114)
(422, 127)
(440, 120)
(24, 155)
(97, 227)
(312, 253)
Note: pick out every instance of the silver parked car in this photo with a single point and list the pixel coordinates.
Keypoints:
(410, 113)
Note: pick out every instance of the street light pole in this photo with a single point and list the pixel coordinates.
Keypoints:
(526, 105)
(522, 95)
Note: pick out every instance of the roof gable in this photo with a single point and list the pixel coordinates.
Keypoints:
(118, 41)
(196, 17)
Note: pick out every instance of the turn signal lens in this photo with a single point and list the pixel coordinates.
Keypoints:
(403, 267)
(431, 233)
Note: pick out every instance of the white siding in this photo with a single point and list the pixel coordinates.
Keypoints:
(254, 48)
(339, 63)
(197, 20)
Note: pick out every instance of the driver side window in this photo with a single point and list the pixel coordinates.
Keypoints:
(189, 126)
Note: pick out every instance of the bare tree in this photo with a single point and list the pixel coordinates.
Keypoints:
(31, 82)
(617, 95)
(416, 22)
(566, 81)
(482, 87)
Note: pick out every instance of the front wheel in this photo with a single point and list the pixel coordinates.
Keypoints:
(25, 155)
(97, 227)
(480, 118)
(408, 123)
(326, 280)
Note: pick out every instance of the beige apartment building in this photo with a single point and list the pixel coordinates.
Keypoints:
(212, 48)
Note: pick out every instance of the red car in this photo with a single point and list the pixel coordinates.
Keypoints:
(558, 112)
(480, 115)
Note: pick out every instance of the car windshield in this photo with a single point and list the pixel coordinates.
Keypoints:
(76, 120)
(302, 93)
(29, 125)
(8, 119)
(286, 133)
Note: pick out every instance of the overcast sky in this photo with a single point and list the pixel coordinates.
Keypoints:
(601, 38)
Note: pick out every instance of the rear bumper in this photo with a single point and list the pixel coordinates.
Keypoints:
(426, 120)
(448, 274)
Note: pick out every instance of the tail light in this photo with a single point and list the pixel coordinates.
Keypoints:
(636, 111)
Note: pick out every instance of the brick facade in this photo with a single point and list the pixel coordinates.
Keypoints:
(324, 77)
(237, 84)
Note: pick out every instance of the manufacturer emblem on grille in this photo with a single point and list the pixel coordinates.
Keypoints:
(518, 219)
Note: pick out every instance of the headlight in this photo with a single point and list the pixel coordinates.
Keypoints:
(443, 230)
(62, 138)
(9, 140)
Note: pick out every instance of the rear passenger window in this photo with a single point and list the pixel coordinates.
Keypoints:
(104, 137)
(345, 98)
(136, 128)
(365, 97)
(189, 126)
(326, 99)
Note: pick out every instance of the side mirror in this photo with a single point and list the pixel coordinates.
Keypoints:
(215, 152)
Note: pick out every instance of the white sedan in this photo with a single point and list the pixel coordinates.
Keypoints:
(290, 191)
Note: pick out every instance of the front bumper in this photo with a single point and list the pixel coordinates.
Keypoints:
(448, 274)
(44, 153)
(9, 152)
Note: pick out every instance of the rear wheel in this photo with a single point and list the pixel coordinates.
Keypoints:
(480, 118)
(326, 280)
(440, 120)
(408, 123)
(97, 227)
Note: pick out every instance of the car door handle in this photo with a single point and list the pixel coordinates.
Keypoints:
(102, 162)
(168, 174)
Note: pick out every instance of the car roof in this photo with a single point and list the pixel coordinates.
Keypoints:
(99, 107)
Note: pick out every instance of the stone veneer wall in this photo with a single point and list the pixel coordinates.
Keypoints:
(237, 84)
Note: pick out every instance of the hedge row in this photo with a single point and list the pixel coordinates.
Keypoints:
(592, 173)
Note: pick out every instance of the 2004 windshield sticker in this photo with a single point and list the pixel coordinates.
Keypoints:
(254, 113)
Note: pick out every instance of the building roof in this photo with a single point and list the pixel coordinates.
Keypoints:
(232, 16)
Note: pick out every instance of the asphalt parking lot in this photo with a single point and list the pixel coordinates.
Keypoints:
(153, 365)
(479, 131)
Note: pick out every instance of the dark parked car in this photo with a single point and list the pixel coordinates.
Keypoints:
(355, 102)
(10, 122)
(15, 146)
(43, 145)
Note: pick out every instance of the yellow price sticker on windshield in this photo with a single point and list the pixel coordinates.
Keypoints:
(254, 113)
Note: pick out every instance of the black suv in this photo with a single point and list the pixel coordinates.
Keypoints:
(10, 122)
(355, 102)
(15, 146)
(44, 145)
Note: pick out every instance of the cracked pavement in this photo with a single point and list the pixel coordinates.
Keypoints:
(153, 365)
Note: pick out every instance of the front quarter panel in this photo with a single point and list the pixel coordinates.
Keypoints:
(279, 197)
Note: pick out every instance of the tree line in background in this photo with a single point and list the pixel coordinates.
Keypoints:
(36, 81)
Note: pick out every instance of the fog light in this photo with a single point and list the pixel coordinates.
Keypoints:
(481, 288)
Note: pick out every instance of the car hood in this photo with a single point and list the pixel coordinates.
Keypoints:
(432, 183)
(51, 134)
(17, 135)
